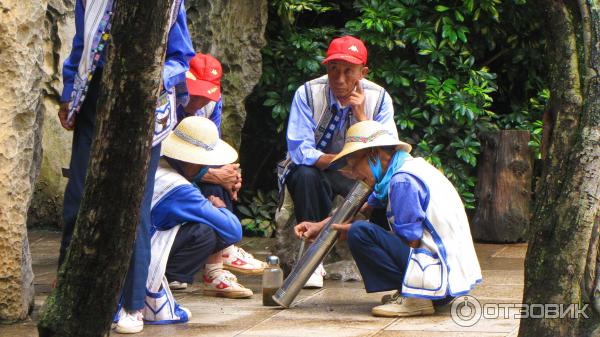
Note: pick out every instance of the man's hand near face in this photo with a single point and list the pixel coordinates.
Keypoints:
(357, 101)
(226, 176)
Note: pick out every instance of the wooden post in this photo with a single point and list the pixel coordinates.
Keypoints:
(503, 187)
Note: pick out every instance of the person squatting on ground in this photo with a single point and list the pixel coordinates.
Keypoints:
(203, 98)
(200, 226)
(82, 75)
(321, 112)
(429, 255)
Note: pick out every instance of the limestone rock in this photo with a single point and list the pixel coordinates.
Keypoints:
(233, 32)
(345, 270)
(59, 29)
(21, 56)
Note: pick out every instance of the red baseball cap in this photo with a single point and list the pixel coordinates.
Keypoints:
(204, 77)
(347, 48)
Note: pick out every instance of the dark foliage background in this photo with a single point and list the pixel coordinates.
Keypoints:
(453, 69)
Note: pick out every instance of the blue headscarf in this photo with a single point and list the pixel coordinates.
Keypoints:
(382, 182)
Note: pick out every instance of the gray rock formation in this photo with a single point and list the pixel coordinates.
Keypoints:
(233, 32)
(59, 28)
(21, 57)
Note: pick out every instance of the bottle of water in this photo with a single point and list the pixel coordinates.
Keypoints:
(272, 280)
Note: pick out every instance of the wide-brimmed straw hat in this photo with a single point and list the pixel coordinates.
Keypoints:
(369, 134)
(196, 140)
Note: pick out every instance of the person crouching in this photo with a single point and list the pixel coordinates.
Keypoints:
(429, 255)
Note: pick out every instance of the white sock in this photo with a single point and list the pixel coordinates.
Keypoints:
(211, 268)
(229, 250)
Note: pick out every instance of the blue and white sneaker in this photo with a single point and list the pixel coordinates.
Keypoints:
(161, 308)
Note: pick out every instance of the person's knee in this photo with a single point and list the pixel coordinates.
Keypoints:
(306, 174)
(357, 233)
(236, 236)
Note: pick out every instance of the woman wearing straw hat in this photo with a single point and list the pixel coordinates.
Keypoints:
(188, 228)
(429, 254)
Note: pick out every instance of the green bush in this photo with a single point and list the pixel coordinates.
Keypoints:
(258, 211)
(452, 68)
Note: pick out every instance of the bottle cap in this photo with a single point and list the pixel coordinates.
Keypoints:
(272, 260)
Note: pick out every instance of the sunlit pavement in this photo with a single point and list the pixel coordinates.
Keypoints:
(339, 309)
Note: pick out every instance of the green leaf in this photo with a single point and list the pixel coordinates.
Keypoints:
(441, 8)
(244, 210)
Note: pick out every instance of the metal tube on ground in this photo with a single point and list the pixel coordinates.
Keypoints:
(324, 242)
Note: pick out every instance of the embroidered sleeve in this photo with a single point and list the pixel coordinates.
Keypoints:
(179, 52)
(72, 62)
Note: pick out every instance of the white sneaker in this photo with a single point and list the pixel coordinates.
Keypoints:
(130, 322)
(238, 260)
(398, 306)
(316, 279)
(176, 285)
(223, 283)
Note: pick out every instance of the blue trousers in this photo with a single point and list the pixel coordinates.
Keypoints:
(193, 244)
(381, 257)
(134, 291)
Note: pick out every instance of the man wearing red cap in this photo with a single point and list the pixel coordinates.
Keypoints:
(322, 111)
(203, 98)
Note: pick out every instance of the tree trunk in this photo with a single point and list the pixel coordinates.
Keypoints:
(503, 187)
(561, 260)
(92, 275)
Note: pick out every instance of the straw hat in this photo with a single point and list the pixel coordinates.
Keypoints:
(369, 134)
(196, 140)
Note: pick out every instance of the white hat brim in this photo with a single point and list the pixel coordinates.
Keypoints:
(176, 148)
(350, 148)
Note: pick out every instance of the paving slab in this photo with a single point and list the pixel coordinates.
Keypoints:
(339, 309)
(445, 324)
(330, 312)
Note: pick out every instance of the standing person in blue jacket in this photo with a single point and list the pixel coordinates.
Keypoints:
(82, 74)
(429, 254)
(321, 112)
(203, 98)
(200, 227)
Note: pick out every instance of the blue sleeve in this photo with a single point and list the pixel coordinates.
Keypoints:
(301, 131)
(187, 204)
(386, 114)
(179, 52)
(374, 202)
(216, 115)
(71, 64)
(409, 198)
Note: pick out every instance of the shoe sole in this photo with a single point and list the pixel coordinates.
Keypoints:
(422, 312)
(177, 288)
(122, 330)
(228, 294)
(243, 271)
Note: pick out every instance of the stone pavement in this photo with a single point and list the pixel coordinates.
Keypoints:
(339, 309)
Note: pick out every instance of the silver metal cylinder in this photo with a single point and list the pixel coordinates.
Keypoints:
(324, 242)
